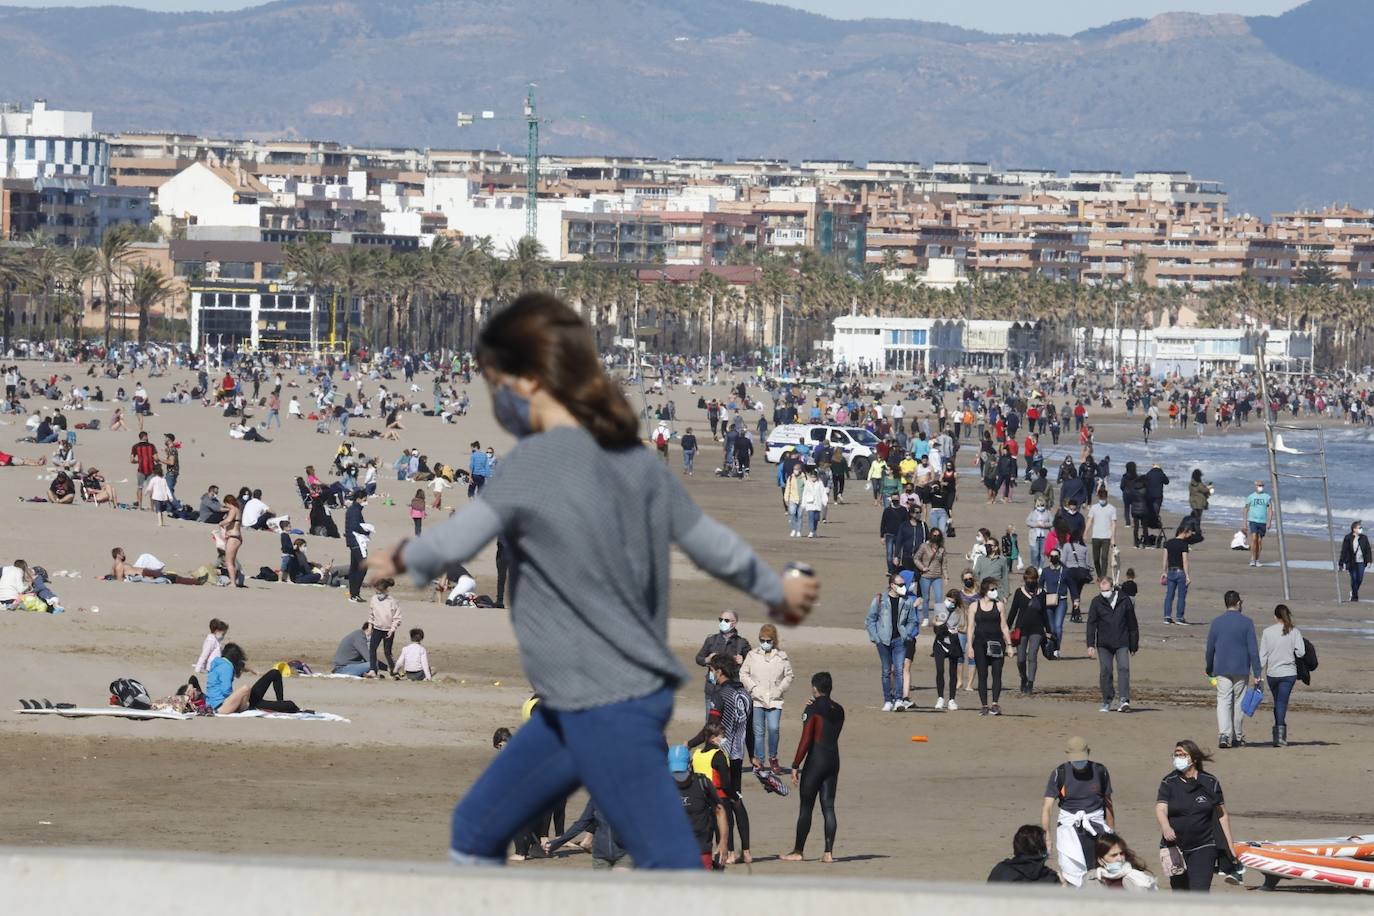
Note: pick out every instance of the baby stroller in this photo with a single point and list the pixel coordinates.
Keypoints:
(1149, 528)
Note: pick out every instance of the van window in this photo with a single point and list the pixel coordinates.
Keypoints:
(837, 435)
(818, 435)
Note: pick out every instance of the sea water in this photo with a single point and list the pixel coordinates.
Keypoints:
(1233, 462)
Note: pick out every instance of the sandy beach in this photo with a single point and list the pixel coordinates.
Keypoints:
(382, 786)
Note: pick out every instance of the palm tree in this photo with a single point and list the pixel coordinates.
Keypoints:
(351, 270)
(527, 264)
(149, 288)
(313, 266)
(46, 266)
(82, 266)
(115, 249)
(14, 274)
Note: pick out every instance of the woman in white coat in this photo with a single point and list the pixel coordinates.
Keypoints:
(815, 497)
(766, 674)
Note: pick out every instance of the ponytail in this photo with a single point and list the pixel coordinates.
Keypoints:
(539, 337)
(1285, 616)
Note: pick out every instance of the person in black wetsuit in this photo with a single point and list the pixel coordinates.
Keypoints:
(819, 748)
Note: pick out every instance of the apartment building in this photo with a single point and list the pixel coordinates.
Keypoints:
(19, 208)
(672, 237)
(43, 142)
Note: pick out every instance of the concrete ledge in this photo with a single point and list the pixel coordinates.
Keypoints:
(153, 884)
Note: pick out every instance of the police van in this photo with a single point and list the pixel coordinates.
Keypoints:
(858, 444)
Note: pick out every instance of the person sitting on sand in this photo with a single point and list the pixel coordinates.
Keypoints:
(147, 568)
(10, 461)
(62, 490)
(224, 698)
(65, 458)
(246, 433)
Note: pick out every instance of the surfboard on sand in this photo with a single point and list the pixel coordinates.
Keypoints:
(118, 712)
(1276, 862)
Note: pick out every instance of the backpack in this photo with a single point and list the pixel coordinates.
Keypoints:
(130, 694)
(660, 441)
(1061, 775)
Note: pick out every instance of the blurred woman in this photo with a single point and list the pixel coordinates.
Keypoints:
(1119, 868)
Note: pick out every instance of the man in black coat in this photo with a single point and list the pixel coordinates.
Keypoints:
(1155, 482)
(726, 642)
(889, 526)
(1355, 557)
(1113, 635)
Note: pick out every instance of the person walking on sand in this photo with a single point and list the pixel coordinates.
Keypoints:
(1259, 515)
(550, 391)
(1355, 557)
(1113, 636)
(766, 674)
(1080, 791)
(1176, 575)
(890, 622)
(1233, 659)
(1281, 645)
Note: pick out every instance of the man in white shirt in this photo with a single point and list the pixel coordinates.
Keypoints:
(254, 511)
(898, 415)
(1102, 531)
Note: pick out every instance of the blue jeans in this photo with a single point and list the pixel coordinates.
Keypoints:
(1037, 547)
(1356, 579)
(815, 516)
(687, 459)
(1281, 688)
(1057, 614)
(1176, 583)
(357, 669)
(794, 515)
(890, 562)
(939, 518)
(890, 656)
(932, 596)
(617, 751)
(767, 722)
(272, 417)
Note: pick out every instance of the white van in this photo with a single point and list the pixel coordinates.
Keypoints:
(858, 444)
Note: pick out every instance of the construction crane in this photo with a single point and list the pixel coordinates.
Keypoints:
(531, 119)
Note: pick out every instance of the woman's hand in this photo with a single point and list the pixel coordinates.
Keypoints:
(1169, 835)
(384, 564)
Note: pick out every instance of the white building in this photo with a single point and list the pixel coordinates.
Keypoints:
(214, 195)
(897, 344)
(1189, 351)
(46, 142)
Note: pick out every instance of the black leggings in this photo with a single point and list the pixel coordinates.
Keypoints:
(735, 812)
(271, 679)
(941, 663)
(984, 662)
(385, 640)
(820, 776)
(1202, 864)
(837, 486)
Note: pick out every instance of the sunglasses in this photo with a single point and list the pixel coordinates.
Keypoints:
(726, 620)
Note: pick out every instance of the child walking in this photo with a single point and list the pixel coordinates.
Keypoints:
(210, 649)
(417, 510)
(413, 661)
(159, 493)
(385, 616)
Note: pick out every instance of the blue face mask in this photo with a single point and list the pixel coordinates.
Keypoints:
(512, 411)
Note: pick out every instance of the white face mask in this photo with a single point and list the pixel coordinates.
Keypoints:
(1116, 869)
(1182, 763)
(899, 590)
(726, 626)
(766, 646)
(949, 605)
(992, 593)
(1107, 592)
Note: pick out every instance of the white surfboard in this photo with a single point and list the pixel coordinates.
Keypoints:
(119, 712)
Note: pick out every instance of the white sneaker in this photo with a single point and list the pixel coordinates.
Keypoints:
(811, 534)
(887, 707)
(1106, 707)
(940, 703)
(953, 706)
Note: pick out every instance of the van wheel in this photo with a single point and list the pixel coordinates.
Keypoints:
(860, 466)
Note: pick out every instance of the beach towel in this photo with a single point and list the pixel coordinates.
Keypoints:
(264, 714)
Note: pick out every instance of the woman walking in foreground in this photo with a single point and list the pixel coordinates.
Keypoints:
(590, 569)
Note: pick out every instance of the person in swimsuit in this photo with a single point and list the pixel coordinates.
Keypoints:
(819, 750)
(232, 527)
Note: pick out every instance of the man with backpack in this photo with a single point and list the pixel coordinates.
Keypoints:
(1081, 789)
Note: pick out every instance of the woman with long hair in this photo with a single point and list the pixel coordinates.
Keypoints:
(1118, 867)
(1281, 645)
(988, 638)
(590, 570)
(232, 527)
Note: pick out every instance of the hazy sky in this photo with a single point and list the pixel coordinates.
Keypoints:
(1063, 16)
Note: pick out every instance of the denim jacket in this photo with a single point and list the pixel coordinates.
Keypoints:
(879, 619)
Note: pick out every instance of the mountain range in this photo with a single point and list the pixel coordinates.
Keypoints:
(1281, 108)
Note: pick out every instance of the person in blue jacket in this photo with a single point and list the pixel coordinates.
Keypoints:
(890, 622)
(1233, 659)
(224, 698)
(479, 466)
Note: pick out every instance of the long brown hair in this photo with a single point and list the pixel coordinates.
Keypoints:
(537, 336)
(1285, 616)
